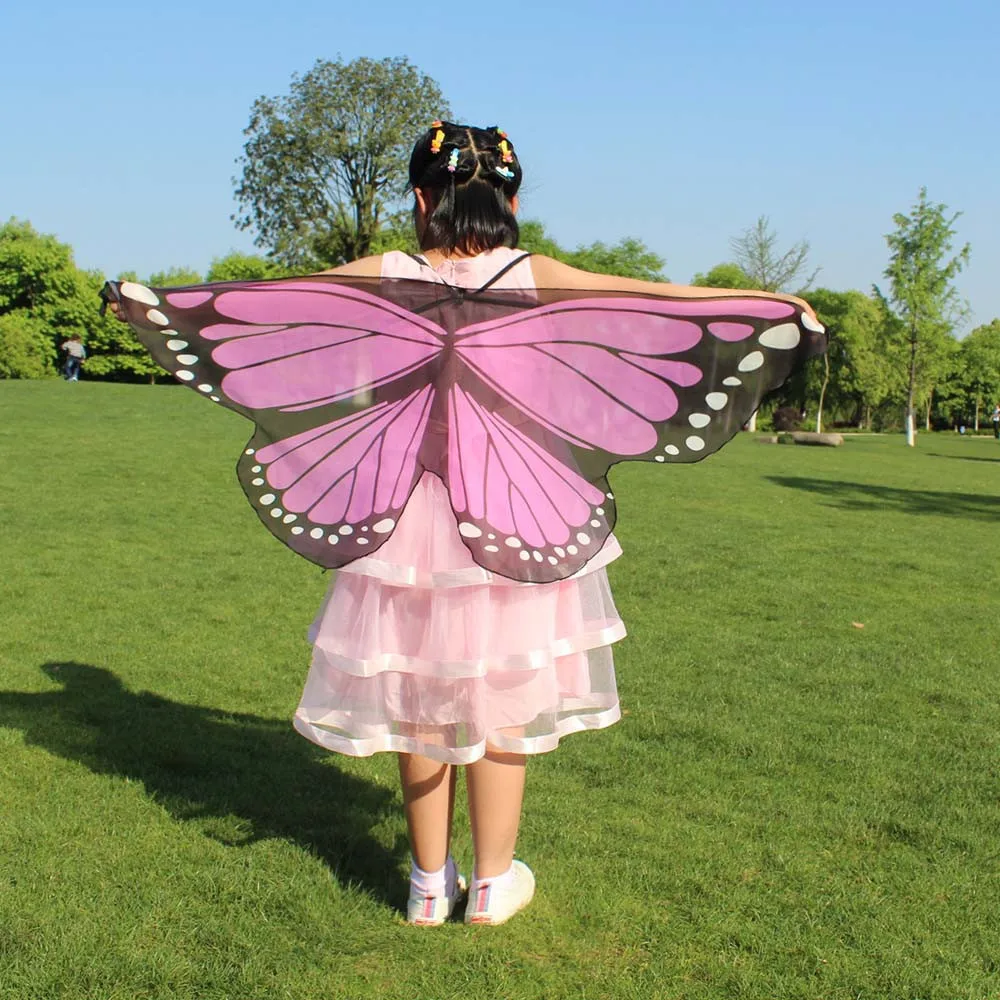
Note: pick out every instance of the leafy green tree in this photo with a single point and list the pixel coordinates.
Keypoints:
(860, 377)
(979, 355)
(26, 347)
(727, 275)
(174, 277)
(922, 295)
(324, 166)
(237, 266)
(48, 296)
(629, 258)
(757, 255)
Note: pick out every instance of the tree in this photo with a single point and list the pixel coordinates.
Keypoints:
(980, 367)
(325, 166)
(628, 258)
(727, 275)
(45, 296)
(922, 296)
(26, 347)
(237, 266)
(756, 254)
(859, 376)
(174, 277)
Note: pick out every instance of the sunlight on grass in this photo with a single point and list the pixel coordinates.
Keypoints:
(800, 802)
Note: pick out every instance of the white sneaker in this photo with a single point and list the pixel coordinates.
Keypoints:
(432, 911)
(497, 901)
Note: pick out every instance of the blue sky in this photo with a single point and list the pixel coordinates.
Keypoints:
(675, 123)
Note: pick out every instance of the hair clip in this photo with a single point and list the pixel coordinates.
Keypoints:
(506, 151)
(436, 142)
(505, 173)
(453, 160)
(500, 132)
(437, 124)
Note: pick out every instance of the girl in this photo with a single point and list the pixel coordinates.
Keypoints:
(420, 651)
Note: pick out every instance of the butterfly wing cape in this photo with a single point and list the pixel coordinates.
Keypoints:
(520, 401)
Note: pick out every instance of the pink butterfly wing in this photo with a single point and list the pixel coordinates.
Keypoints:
(522, 511)
(334, 492)
(330, 374)
(644, 378)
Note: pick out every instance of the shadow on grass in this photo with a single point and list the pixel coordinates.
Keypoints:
(866, 496)
(963, 458)
(242, 778)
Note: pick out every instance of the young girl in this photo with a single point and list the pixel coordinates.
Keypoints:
(419, 650)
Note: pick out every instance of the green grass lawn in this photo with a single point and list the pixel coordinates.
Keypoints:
(794, 806)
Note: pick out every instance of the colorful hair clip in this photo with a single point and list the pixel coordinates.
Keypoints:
(453, 160)
(506, 151)
(505, 173)
(436, 142)
(500, 132)
(437, 124)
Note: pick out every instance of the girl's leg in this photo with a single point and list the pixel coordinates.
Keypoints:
(429, 802)
(496, 789)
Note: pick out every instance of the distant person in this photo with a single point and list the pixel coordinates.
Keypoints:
(75, 354)
(996, 421)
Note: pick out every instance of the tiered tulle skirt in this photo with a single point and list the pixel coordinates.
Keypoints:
(418, 649)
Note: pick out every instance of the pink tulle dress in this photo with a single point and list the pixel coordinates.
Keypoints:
(418, 649)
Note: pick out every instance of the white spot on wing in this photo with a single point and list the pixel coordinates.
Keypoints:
(699, 420)
(139, 293)
(751, 362)
(298, 529)
(672, 449)
(184, 375)
(490, 548)
(346, 529)
(177, 345)
(583, 538)
(732, 380)
(316, 533)
(268, 498)
(811, 324)
(514, 543)
(155, 316)
(524, 554)
(384, 526)
(467, 530)
(717, 400)
(187, 359)
(781, 338)
(695, 443)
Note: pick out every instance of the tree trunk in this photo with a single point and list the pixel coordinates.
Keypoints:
(911, 430)
(975, 423)
(927, 414)
(822, 393)
(752, 422)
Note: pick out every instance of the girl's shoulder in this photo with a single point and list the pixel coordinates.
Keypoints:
(364, 267)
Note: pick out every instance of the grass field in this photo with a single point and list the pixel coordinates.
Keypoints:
(794, 806)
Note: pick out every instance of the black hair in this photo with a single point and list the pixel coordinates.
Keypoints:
(470, 175)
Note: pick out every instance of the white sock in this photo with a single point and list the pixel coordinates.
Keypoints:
(502, 881)
(439, 883)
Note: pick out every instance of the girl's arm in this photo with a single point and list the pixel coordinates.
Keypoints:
(550, 273)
